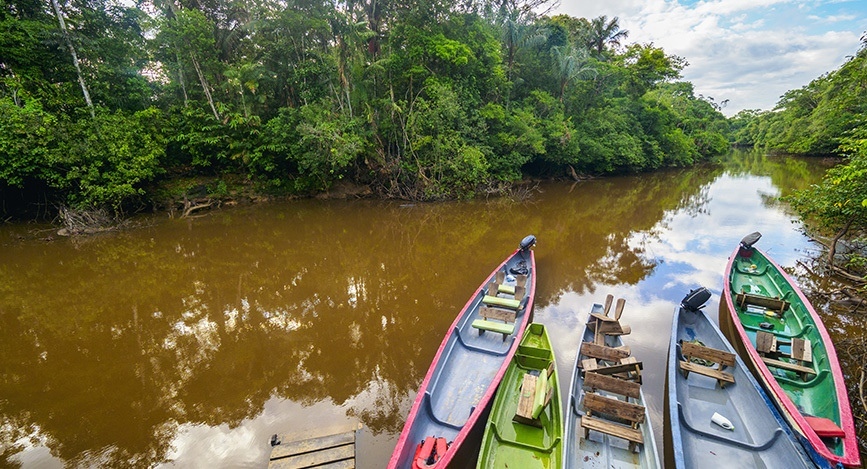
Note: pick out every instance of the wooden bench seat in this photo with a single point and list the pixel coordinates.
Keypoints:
(720, 358)
(803, 371)
(766, 343)
(603, 352)
(507, 327)
(628, 369)
(600, 382)
(596, 407)
(801, 351)
(775, 305)
(612, 328)
(536, 393)
(601, 324)
(505, 315)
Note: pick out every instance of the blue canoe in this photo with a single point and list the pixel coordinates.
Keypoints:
(709, 389)
(469, 365)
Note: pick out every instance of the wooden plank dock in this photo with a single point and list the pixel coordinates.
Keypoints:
(335, 450)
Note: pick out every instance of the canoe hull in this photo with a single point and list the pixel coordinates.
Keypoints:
(463, 377)
(761, 437)
(821, 393)
(602, 451)
(507, 443)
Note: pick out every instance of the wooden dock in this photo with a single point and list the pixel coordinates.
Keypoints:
(335, 450)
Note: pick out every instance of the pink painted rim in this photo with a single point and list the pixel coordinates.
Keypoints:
(851, 456)
(489, 393)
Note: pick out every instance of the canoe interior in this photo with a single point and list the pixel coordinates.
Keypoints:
(817, 396)
(464, 374)
(761, 437)
(509, 444)
(601, 451)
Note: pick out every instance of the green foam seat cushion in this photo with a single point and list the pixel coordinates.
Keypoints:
(504, 302)
(492, 326)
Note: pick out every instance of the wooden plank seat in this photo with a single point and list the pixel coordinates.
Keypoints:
(594, 382)
(612, 327)
(536, 392)
(601, 324)
(801, 370)
(504, 315)
(719, 359)
(628, 369)
(596, 409)
(766, 343)
(775, 305)
(507, 327)
(604, 352)
(801, 352)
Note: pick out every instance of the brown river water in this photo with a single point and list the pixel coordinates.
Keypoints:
(188, 343)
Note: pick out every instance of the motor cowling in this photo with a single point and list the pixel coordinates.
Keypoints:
(750, 239)
(695, 299)
(528, 242)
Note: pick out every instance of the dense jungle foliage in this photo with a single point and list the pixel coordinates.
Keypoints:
(100, 102)
(828, 116)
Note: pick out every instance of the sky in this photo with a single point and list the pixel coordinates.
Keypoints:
(749, 52)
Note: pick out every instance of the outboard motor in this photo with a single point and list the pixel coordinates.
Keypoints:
(746, 249)
(695, 299)
(528, 242)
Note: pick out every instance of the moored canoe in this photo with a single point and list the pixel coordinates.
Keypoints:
(469, 364)
(781, 337)
(604, 450)
(717, 414)
(524, 429)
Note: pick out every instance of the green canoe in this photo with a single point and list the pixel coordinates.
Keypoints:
(525, 427)
(781, 337)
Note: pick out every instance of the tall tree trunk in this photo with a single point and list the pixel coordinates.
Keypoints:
(181, 79)
(204, 85)
(74, 56)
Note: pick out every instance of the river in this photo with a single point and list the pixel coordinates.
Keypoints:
(189, 342)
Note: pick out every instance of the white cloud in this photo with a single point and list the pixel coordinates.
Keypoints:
(749, 52)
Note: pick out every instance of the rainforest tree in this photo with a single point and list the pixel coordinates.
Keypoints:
(101, 101)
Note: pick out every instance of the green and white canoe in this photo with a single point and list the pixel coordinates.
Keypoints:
(525, 427)
(782, 339)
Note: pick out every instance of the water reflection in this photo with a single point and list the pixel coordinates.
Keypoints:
(195, 340)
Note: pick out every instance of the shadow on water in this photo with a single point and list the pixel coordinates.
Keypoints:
(192, 341)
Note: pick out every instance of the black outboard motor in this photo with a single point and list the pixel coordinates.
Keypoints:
(695, 299)
(528, 242)
(746, 249)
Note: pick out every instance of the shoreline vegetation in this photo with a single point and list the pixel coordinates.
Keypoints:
(177, 105)
(108, 109)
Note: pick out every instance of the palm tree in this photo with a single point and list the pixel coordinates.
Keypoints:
(519, 31)
(604, 32)
(572, 63)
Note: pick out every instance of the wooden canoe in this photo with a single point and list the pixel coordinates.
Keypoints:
(469, 364)
(704, 378)
(603, 450)
(781, 337)
(525, 427)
